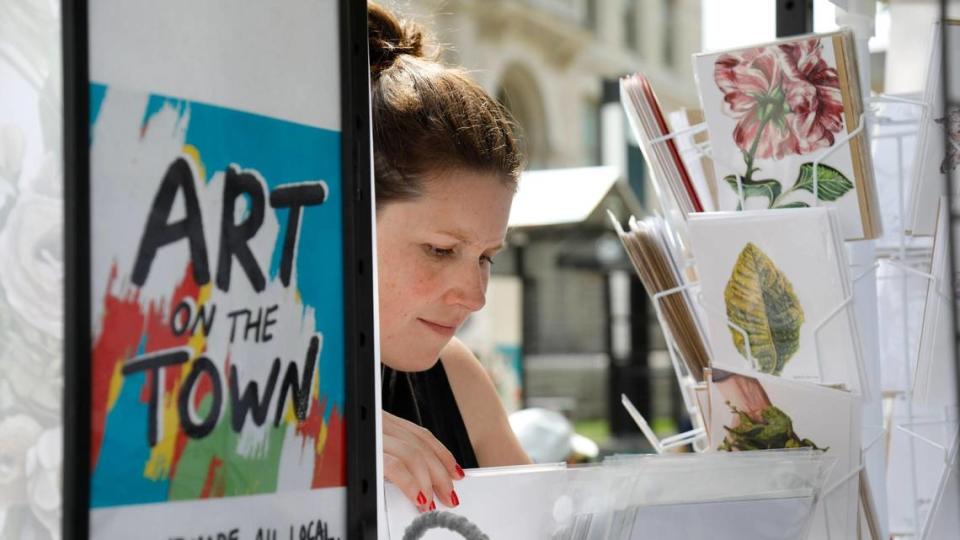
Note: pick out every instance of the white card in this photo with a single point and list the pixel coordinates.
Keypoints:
(780, 278)
(776, 111)
(929, 179)
(935, 382)
(819, 417)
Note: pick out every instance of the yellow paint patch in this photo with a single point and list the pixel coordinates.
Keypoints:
(321, 438)
(116, 384)
(289, 415)
(161, 455)
(194, 154)
(198, 340)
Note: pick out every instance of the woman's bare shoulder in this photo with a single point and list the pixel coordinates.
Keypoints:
(459, 361)
(480, 407)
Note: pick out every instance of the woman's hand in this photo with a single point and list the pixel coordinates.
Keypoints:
(417, 463)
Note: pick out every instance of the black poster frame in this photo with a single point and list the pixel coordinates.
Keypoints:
(359, 413)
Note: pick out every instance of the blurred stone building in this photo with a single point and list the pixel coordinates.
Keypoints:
(547, 60)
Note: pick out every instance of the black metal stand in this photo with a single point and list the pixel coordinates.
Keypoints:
(794, 17)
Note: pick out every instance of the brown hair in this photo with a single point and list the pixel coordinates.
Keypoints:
(427, 117)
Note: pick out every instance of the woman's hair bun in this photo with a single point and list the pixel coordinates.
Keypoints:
(389, 37)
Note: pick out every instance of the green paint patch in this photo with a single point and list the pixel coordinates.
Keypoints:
(211, 466)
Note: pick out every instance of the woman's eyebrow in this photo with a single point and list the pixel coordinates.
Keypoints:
(463, 237)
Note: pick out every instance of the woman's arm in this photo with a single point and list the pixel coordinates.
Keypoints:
(493, 441)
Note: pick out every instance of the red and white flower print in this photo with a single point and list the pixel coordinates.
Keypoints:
(812, 91)
(750, 83)
(785, 98)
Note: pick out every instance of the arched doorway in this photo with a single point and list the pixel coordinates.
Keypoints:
(519, 92)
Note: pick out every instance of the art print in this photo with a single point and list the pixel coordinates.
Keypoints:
(773, 288)
(764, 413)
(764, 312)
(779, 119)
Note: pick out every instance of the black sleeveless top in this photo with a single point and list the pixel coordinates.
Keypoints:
(426, 399)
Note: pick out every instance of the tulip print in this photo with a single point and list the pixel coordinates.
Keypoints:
(786, 100)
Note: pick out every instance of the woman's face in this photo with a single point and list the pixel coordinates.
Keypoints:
(434, 263)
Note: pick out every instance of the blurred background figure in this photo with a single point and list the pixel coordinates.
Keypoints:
(548, 437)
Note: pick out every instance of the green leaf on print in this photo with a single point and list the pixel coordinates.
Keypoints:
(755, 188)
(795, 204)
(760, 300)
(831, 183)
(773, 430)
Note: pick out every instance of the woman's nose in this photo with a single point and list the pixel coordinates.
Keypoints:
(470, 289)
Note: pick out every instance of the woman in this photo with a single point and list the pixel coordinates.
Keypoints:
(446, 168)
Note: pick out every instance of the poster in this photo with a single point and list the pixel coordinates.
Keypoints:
(219, 307)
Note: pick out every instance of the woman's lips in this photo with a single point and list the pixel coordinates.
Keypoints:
(442, 329)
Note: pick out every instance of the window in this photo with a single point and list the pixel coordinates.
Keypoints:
(669, 27)
(519, 93)
(631, 35)
(590, 132)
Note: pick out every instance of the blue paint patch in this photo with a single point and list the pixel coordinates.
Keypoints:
(118, 478)
(156, 103)
(97, 93)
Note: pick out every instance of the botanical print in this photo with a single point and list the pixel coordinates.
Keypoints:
(951, 123)
(761, 412)
(766, 429)
(773, 287)
(786, 100)
(757, 424)
(760, 301)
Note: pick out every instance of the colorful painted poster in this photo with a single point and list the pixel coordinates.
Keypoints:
(217, 302)
(219, 246)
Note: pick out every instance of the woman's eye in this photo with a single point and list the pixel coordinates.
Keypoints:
(486, 259)
(439, 252)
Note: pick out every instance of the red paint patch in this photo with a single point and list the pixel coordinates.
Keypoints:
(312, 425)
(124, 325)
(213, 484)
(330, 466)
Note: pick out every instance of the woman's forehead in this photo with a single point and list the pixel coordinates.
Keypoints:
(470, 210)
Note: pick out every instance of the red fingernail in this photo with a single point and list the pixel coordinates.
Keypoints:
(460, 471)
(433, 505)
(454, 499)
(421, 498)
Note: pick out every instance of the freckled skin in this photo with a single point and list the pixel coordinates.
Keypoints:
(433, 262)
